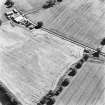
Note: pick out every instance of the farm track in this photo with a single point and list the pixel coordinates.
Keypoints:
(52, 24)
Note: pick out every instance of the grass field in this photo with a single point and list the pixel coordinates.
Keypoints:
(32, 63)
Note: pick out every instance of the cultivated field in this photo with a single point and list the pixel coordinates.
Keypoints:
(87, 88)
(80, 20)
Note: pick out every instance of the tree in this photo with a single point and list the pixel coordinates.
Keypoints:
(0, 22)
